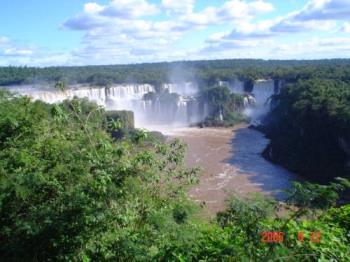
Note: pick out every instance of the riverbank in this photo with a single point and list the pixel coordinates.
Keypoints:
(231, 162)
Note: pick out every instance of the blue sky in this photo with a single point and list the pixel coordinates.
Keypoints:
(82, 32)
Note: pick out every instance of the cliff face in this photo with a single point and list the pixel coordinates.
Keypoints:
(344, 144)
(316, 159)
(309, 129)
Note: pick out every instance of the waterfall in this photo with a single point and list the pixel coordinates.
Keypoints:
(194, 113)
(181, 116)
(257, 102)
(127, 97)
(185, 111)
(236, 87)
(221, 116)
(51, 95)
(183, 89)
(262, 92)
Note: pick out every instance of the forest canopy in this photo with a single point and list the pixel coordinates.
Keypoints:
(310, 128)
(206, 72)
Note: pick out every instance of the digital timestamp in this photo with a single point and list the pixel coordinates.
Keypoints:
(279, 237)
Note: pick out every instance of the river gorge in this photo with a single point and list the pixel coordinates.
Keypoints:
(229, 157)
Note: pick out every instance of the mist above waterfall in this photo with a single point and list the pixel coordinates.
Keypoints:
(173, 104)
(182, 88)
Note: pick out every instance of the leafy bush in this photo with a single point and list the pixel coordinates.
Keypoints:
(69, 192)
(341, 216)
(125, 117)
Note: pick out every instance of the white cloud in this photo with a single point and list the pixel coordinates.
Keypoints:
(18, 51)
(315, 48)
(325, 10)
(9, 48)
(97, 16)
(336, 41)
(120, 29)
(4, 40)
(309, 48)
(296, 22)
(317, 15)
(346, 28)
(92, 8)
(246, 30)
(290, 25)
(261, 7)
(125, 31)
(89, 19)
(129, 9)
(230, 12)
(178, 6)
(241, 9)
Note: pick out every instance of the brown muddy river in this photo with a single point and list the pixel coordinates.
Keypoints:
(231, 162)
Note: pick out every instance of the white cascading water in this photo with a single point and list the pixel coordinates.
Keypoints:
(125, 97)
(150, 113)
(52, 95)
(129, 97)
(183, 89)
(262, 92)
(257, 102)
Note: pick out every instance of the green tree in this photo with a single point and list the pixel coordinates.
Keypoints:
(61, 85)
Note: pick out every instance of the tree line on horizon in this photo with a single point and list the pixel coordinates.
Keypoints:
(206, 72)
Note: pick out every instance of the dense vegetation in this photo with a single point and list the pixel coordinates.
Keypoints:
(206, 73)
(310, 128)
(224, 107)
(70, 192)
(164, 98)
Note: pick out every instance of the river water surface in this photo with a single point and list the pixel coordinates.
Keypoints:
(231, 162)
